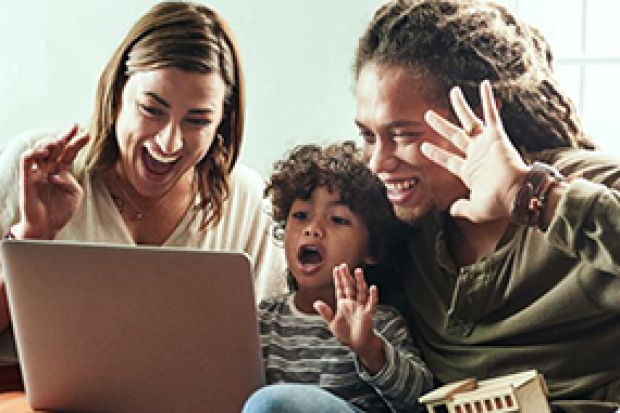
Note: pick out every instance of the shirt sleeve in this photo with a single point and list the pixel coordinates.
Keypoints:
(10, 155)
(404, 377)
(9, 179)
(256, 223)
(587, 226)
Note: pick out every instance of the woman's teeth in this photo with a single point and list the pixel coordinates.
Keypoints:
(157, 164)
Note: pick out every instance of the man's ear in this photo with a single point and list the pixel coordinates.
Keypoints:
(369, 260)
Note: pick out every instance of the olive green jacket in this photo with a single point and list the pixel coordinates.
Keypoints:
(546, 301)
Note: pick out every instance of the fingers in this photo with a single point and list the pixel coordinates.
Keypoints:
(343, 281)
(489, 107)
(66, 182)
(51, 150)
(442, 157)
(339, 284)
(448, 130)
(55, 155)
(352, 287)
(471, 125)
(366, 297)
(360, 285)
(461, 208)
(324, 310)
(31, 158)
(72, 149)
(57, 146)
(374, 299)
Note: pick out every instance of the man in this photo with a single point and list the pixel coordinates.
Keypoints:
(514, 261)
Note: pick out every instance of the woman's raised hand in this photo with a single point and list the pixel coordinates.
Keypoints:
(49, 193)
(488, 164)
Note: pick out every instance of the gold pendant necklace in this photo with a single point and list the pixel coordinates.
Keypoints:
(119, 202)
(120, 206)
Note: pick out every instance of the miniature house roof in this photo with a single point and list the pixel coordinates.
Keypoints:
(507, 388)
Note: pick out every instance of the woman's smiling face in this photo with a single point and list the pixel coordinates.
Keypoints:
(167, 121)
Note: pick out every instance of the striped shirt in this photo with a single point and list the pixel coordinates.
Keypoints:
(300, 348)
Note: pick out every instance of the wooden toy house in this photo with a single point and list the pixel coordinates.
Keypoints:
(524, 392)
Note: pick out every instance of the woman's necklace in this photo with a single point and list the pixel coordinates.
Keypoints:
(139, 213)
(120, 202)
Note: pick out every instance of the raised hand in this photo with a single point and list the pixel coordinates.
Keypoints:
(351, 322)
(488, 164)
(49, 193)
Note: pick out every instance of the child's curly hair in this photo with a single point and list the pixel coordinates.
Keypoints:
(338, 167)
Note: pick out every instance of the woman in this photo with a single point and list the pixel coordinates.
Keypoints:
(158, 165)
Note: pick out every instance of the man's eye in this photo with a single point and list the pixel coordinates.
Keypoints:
(406, 136)
(198, 122)
(340, 220)
(150, 110)
(367, 136)
(299, 215)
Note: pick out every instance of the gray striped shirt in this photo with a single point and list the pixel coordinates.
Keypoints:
(300, 348)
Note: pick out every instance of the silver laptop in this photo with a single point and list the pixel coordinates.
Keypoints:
(110, 328)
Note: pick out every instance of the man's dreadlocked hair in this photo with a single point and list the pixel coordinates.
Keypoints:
(463, 42)
(337, 167)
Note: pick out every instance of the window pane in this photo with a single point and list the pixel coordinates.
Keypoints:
(602, 28)
(602, 87)
(569, 78)
(564, 38)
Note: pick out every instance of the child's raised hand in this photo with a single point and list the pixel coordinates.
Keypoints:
(351, 323)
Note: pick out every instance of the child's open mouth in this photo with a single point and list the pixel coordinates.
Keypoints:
(309, 254)
(310, 258)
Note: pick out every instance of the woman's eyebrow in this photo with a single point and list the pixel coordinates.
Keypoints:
(158, 98)
(162, 101)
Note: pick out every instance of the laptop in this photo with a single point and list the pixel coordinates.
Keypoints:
(117, 328)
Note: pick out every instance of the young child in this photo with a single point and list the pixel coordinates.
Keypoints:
(327, 345)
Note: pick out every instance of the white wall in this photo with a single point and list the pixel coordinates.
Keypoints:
(297, 57)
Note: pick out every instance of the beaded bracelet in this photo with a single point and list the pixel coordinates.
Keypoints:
(533, 195)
